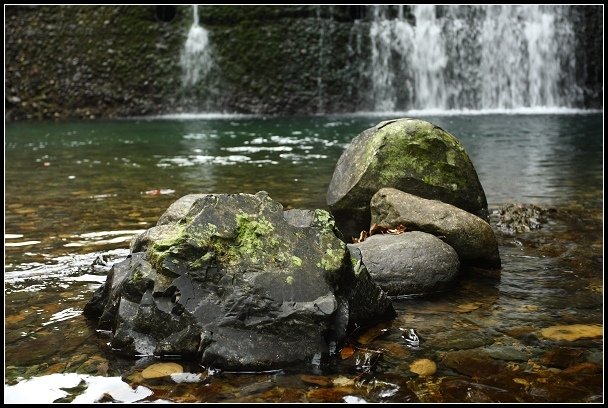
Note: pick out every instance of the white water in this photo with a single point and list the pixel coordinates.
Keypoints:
(540, 110)
(196, 56)
(472, 57)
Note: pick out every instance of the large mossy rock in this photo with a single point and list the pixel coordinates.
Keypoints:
(471, 237)
(234, 281)
(410, 155)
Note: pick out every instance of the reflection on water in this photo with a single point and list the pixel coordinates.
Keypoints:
(76, 193)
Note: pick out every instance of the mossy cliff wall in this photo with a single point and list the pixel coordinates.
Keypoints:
(90, 61)
(110, 61)
(107, 61)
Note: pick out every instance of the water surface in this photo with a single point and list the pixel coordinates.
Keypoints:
(76, 193)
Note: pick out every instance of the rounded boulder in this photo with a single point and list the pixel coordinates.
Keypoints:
(411, 155)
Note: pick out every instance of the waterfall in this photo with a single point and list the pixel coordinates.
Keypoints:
(429, 59)
(196, 56)
(354, 54)
(383, 77)
(472, 57)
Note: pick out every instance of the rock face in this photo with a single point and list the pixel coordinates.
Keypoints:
(411, 155)
(227, 280)
(471, 237)
(409, 263)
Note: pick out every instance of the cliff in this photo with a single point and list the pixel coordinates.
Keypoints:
(114, 61)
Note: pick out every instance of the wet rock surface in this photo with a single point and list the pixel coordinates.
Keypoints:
(233, 284)
(408, 263)
(471, 237)
(410, 155)
(473, 363)
(461, 340)
(517, 218)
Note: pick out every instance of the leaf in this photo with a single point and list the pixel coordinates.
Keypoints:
(399, 230)
(347, 352)
(362, 236)
(377, 229)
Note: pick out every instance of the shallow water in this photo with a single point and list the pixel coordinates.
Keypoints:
(77, 192)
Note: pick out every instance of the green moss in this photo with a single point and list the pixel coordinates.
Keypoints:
(289, 280)
(253, 238)
(225, 250)
(202, 261)
(138, 274)
(332, 259)
(250, 229)
(425, 151)
(222, 15)
(159, 250)
(211, 229)
(323, 219)
(450, 157)
(322, 216)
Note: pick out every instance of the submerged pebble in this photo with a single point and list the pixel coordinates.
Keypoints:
(572, 332)
(160, 370)
(423, 367)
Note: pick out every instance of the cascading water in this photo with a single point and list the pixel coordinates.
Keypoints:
(196, 55)
(429, 59)
(472, 57)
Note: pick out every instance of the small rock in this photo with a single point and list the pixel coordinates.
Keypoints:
(572, 332)
(409, 263)
(472, 237)
(160, 370)
(423, 367)
(468, 307)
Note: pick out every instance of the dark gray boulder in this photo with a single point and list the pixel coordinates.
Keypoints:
(471, 237)
(408, 263)
(411, 155)
(233, 284)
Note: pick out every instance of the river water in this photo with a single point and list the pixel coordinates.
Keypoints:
(76, 193)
